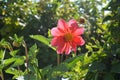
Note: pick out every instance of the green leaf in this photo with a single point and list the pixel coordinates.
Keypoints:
(97, 66)
(87, 59)
(46, 70)
(19, 60)
(67, 65)
(80, 57)
(11, 71)
(104, 1)
(108, 76)
(2, 54)
(5, 44)
(14, 72)
(107, 18)
(40, 38)
(89, 48)
(33, 51)
(18, 39)
(116, 68)
(74, 60)
(30, 77)
(9, 61)
(13, 53)
(14, 61)
(57, 71)
(33, 63)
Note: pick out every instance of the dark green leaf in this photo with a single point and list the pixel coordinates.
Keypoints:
(33, 51)
(108, 76)
(97, 66)
(107, 18)
(46, 70)
(116, 68)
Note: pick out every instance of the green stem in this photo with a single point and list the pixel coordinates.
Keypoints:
(66, 56)
(58, 59)
(26, 53)
(2, 76)
(62, 58)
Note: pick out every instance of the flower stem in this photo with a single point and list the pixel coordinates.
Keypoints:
(62, 58)
(58, 59)
(66, 56)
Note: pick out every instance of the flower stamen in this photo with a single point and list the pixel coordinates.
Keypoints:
(68, 37)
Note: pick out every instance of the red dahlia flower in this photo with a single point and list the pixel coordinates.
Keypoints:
(67, 36)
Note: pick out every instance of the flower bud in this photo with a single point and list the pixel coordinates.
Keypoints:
(82, 20)
(16, 44)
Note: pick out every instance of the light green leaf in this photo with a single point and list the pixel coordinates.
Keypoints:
(13, 53)
(71, 62)
(14, 72)
(43, 40)
(2, 54)
(9, 61)
(15, 61)
(19, 60)
(40, 38)
(11, 71)
(89, 48)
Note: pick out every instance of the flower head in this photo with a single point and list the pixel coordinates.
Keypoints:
(67, 36)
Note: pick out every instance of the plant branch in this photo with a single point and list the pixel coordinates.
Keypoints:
(2, 76)
(26, 53)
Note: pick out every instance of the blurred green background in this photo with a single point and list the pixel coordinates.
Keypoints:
(102, 31)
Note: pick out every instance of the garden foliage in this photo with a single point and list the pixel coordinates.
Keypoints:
(26, 52)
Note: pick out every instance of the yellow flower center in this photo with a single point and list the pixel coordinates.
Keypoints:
(68, 37)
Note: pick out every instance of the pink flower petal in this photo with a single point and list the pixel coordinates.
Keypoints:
(68, 49)
(60, 43)
(73, 24)
(56, 32)
(62, 25)
(79, 40)
(61, 48)
(56, 41)
(78, 31)
(74, 46)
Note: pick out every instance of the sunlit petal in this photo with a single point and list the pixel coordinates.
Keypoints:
(62, 25)
(78, 31)
(56, 32)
